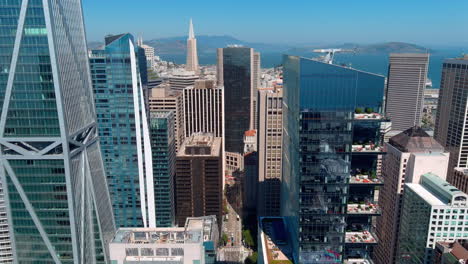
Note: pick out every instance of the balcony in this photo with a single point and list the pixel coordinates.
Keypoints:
(365, 179)
(358, 261)
(366, 148)
(364, 237)
(364, 209)
(369, 116)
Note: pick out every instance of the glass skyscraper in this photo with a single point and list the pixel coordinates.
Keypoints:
(123, 131)
(163, 146)
(236, 66)
(51, 168)
(329, 146)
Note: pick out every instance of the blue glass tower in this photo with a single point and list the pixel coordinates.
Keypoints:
(326, 146)
(164, 155)
(123, 130)
(52, 173)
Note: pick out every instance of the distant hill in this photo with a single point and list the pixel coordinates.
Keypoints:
(209, 44)
(379, 48)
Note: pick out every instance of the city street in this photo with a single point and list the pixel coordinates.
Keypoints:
(233, 252)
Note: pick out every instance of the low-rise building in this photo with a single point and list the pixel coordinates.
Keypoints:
(451, 252)
(194, 243)
(432, 211)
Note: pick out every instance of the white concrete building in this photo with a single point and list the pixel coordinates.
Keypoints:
(409, 155)
(203, 108)
(432, 211)
(194, 243)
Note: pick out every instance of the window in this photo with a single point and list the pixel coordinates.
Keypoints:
(132, 252)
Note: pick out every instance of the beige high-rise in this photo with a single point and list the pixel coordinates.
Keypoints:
(161, 98)
(407, 74)
(192, 56)
(269, 151)
(452, 118)
(410, 154)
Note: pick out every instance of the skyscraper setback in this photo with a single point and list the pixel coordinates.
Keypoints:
(192, 56)
(407, 74)
(123, 131)
(58, 205)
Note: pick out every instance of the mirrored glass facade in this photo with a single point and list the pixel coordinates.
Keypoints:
(121, 119)
(164, 156)
(56, 194)
(319, 157)
(237, 74)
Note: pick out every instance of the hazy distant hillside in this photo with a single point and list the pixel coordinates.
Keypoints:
(387, 47)
(209, 44)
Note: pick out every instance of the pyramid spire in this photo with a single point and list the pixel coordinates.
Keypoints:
(191, 34)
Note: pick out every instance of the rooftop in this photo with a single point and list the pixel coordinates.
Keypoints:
(357, 261)
(458, 249)
(201, 144)
(250, 133)
(425, 194)
(444, 191)
(415, 139)
(275, 241)
(196, 230)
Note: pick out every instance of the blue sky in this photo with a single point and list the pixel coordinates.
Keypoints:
(427, 22)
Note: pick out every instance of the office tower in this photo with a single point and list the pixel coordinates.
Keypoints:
(239, 76)
(192, 56)
(451, 252)
(432, 211)
(451, 112)
(143, 67)
(407, 74)
(195, 242)
(460, 179)
(270, 138)
(55, 190)
(164, 155)
(256, 74)
(179, 80)
(123, 131)
(149, 53)
(330, 159)
(199, 178)
(203, 108)
(163, 98)
(219, 67)
(409, 154)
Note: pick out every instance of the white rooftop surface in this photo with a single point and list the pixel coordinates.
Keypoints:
(425, 194)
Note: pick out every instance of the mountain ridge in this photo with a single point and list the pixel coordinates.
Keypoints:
(209, 44)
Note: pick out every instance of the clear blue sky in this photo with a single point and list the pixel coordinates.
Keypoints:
(433, 22)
